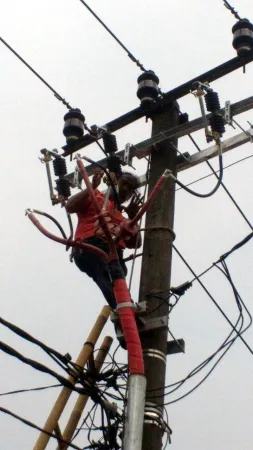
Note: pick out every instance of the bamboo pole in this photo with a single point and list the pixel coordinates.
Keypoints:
(65, 393)
(83, 399)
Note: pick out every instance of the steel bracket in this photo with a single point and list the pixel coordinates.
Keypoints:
(175, 346)
(144, 325)
(228, 113)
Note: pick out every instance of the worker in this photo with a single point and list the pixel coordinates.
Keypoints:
(89, 231)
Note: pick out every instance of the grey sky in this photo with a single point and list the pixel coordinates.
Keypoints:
(40, 290)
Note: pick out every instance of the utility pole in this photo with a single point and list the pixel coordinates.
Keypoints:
(156, 274)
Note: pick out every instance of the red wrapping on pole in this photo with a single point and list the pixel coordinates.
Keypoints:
(127, 320)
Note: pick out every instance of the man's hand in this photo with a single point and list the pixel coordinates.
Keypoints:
(134, 206)
(97, 177)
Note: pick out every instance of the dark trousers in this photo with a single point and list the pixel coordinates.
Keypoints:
(96, 268)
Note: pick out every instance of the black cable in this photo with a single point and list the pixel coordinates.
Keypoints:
(53, 220)
(232, 9)
(225, 255)
(41, 368)
(212, 298)
(136, 61)
(209, 194)
(204, 363)
(70, 226)
(223, 185)
(21, 391)
(51, 352)
(217, 171)
(58, 96)
(32, 425)
(116, 196)
(203, 379)
(237, 246)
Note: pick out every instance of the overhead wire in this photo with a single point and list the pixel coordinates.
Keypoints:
(22, 391)
(227, 343)
(131, 56)
(36, 427)
(213, 299)
(216, 187)
(56, 94)
(231, 9)
(223, 185)
(211, 174)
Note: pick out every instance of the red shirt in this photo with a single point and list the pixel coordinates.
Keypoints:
(87, 217)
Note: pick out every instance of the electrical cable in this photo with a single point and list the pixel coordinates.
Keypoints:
(217, 171)
(21, 391)
(50, 352)
(213, 300)
(58, 96)
(136, 61)
(223, 185)
(232, 9)
(36, 427)
(53, 220)
(41, 368)
(209, 194)
(116, 196)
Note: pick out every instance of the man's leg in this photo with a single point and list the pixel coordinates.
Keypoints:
(95, 267)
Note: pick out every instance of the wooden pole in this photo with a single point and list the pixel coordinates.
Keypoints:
(52, 421)
(155, 275)
(82, 399)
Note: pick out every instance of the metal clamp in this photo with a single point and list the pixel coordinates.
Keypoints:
(154, 353)
(125, 305)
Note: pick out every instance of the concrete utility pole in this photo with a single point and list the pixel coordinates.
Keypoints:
(155, 275)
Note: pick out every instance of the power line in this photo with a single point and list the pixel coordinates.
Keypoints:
(22, 391)
(131, 56)
(58, 96)
(213, 299)
(217, 171)
(223, 185)
(32, 425)
(232, 9)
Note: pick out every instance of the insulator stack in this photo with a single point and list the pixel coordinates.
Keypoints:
(74, 125)
(110, 143)
(243, 37)
(216, 122)
(212, 101)
(60, 167)
(114, 165)
(148, 89)
(63, 187)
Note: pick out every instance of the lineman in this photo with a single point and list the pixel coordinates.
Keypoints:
(89, 231)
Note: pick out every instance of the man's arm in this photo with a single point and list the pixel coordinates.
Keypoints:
(76, 203)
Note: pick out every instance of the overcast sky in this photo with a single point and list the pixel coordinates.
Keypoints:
(40, 290)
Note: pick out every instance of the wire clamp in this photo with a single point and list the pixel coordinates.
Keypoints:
(125, 305)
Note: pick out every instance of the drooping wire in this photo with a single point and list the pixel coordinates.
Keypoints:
(131, 56)
(36, 427)
(217, 171)
(223, 185)
(209, 194)
(22, 391)
(227, 343)
(212, 298)
(232, 9)
(58, 96)
(53, 220)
